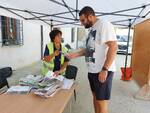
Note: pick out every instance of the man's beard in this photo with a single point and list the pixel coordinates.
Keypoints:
(88, 25)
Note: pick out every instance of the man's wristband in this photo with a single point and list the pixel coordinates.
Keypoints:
(104, 69)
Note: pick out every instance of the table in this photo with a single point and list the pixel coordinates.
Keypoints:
(30, 103)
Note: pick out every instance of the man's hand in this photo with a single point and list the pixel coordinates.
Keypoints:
(71, 55)
(102, 76)
(77, 53)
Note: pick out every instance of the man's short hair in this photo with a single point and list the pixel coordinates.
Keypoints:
(54, 33)
(87, 10)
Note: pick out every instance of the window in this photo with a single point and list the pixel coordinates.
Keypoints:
(123, 38)
(11, 31)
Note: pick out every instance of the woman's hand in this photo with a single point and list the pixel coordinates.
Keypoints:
(56, 53)
(57, 73)
(49, 57)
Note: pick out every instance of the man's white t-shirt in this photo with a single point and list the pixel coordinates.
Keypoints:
(96, 48)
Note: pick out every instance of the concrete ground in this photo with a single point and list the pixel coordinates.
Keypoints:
(122, 100)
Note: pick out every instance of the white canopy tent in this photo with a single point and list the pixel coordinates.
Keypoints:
(123, 13)
(65, 12)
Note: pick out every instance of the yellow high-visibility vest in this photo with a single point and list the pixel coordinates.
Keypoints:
(50, 65)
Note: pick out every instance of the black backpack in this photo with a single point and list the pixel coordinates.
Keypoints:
(71, 72)
(3, 82)
(6, 72)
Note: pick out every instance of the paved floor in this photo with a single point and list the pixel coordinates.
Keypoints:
(122, 92)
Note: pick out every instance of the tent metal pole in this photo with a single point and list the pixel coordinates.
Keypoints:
(14, 9)
(120, 24)
(74, 9)
(138, 15)
(77, 9)
(13, 12)
(67, 23)
(60, 21)
(111, 13)
(60, 4)
(126, 58)
(51, 26)
(131, 9)
(41, 41)
(63, 17)
(130, 25)
(122, 20)
(66, 18)
(52, 14)
(55, 21)
(37, 17)
(105, 14)
(33, 12)
(68, 9)
(147, 14)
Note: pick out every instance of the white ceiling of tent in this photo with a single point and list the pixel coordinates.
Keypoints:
(49, 7)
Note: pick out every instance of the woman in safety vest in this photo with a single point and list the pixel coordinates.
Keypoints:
(54, 56)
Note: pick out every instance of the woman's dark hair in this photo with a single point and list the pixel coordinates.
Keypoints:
(54, 33)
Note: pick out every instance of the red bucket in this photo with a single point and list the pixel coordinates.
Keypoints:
(128, 74)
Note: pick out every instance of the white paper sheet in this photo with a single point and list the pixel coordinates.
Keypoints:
(67, 83)
(50, 74)
(18, 89)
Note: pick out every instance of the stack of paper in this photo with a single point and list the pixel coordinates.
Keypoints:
(48, 88)
(18, 90)
(30, 80)
(47, 93)
(48, 82)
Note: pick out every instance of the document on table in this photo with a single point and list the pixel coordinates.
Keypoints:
(67, 83)
(19, 89)
(50, 75)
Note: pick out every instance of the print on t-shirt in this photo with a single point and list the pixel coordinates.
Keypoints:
(90, 46)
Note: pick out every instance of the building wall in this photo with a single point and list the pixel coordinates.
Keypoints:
(30, 52)
(67, 36)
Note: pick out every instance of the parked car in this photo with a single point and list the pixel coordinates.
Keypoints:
(122, 44)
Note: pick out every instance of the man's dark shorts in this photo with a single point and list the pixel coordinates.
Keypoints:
(102, 90)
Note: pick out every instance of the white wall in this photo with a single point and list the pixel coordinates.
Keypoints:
(46, 40)
(30, 52)
(66, 34)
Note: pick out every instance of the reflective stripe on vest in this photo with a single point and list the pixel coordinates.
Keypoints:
(50, 65)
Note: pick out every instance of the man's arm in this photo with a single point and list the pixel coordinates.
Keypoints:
(77, 53)
(112, 50)
(111, 53)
